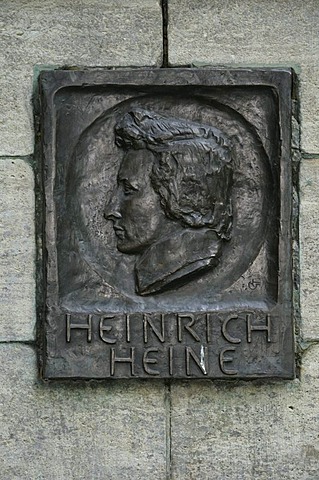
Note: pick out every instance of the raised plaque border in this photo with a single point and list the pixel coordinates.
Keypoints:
(279, 79)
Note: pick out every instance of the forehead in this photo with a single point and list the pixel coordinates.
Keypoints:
(136, 163)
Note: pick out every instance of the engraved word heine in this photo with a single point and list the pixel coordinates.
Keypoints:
(168, 231)
(173, 204)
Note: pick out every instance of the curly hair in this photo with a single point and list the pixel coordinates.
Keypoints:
(192, 171)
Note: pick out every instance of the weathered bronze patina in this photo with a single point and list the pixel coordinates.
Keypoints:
(168, 223)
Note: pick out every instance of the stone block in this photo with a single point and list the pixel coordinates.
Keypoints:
(253, 33)
(114, 430)
(309, 247)
(17, 251)
(91, 33)
(247, 431)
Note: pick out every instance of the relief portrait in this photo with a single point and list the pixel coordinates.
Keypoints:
(172, 206)
(167, 203)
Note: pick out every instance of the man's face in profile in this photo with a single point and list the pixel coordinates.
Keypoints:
(135, 208)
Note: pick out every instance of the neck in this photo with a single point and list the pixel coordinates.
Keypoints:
(175, 258)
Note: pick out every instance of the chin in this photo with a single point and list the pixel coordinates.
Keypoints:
(130, 247)
(127, 247)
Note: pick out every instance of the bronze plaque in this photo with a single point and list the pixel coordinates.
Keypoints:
(167, 245)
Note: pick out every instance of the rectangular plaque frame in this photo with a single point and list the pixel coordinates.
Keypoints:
(90, 329)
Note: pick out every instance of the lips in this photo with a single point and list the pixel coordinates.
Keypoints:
(119, 232)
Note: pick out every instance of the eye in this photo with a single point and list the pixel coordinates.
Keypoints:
(128, 188)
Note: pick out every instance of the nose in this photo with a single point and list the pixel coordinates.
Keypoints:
(111, 211)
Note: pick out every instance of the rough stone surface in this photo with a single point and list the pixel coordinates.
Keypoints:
(309, 247)
(17, 251)
(55, 32)
(249, 431)
(67, 431)
(253, 33)
(119, 430)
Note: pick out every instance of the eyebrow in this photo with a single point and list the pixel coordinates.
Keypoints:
(126, 180)
(122, 179)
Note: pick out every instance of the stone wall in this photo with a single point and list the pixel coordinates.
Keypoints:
(149, 430)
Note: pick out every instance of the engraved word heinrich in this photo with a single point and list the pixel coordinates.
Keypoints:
(168, 224)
